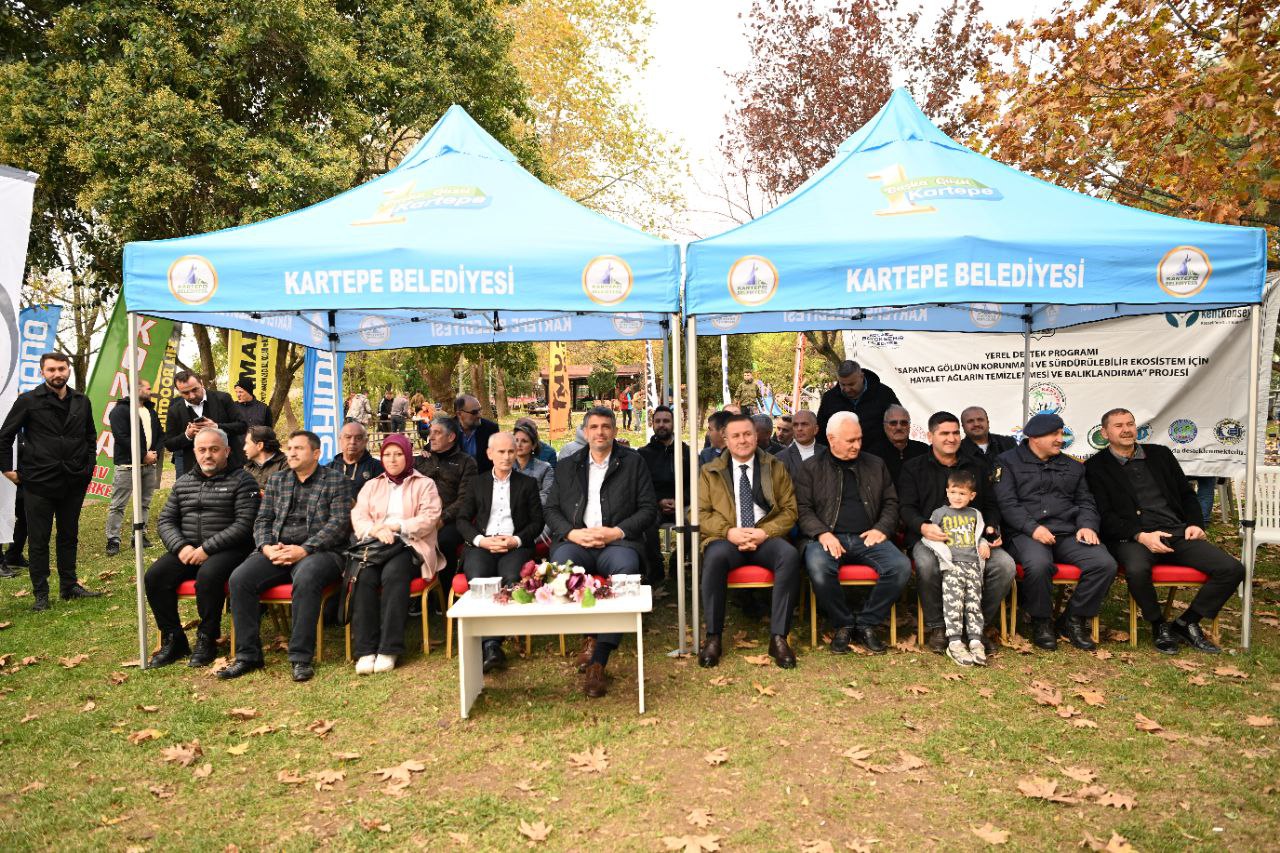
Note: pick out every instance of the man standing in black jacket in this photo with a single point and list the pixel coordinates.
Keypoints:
(122, 455)
(354, 461)
(858, 391)
(1150, 514)
(454, 473)
(59, 451)
(598, 510)
(207, 529)
(203, 408)
(659, 456)
(253, 411)
(979, 441)
(473, 431)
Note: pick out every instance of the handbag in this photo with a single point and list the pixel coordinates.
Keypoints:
(366, 553)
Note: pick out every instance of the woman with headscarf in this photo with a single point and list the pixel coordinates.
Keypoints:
(399, 504)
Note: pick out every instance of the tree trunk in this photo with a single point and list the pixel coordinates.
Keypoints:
(440, 378)
(500, 392)
(205, 346)
(829, 345)
(289, 359)
(479, 387)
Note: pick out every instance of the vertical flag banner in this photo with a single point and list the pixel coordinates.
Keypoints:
(252, 357)
(38, 330)
(17, 188)
(558, 396)
(109, 381)
(322, 398)
(652, 398)
(162, 390)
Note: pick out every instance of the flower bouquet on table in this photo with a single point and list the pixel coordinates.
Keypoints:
(555, 583)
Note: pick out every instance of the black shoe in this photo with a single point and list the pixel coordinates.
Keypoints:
(1077, 630)
(493, 658)
(415, 607)
(936, 640)
(146, 543)
(17, 562)
(173, 648)
(239, 668)
(1043, 636)
(709, 654)
(1165, 640)
(869, 640)
(5, 571)
(40, 604)
(77, 591)
(204, 652)
(781, 652)
(303, 672)
(1193, 635)
(989, 644)
(113, 547)
(842, 641)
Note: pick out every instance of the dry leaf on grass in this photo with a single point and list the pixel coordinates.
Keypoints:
(853, 694)
(20, 593)
(161, 792)
(1045, 694)
(1082, 723)
(953, 676)
(595, 760)
(917, 689)
(32, 786)
(401, 774)
(816, 846)
(986, 693)
(26, 718)
(858, 753)
(4, 625)
(1066, 712)
(203, 771)
(1092, 698)
(721, 681)
(1197, 680)
(1231, 672)
(183, 754)
(373, 824)
(1117, 843)
(716, 757)
(73, 661)
(243, 713)
(264, 729)
(990, 834)
(345, 756)
(861, 845)
(89, 706)
(1080, 774)
(906, 762)
(764, 689)
(1037, 787)
(691, 843)
(239, 749)
(325, 779)
(535, 831)
(759, 660)
(1143, 723)
(746, 644)
(1080, 678)
(1117, 801)
(1185, 665)
(118, 678)
(321, 727)
(1260, 722)
(289, 777)
(143, 735)
(700, 818)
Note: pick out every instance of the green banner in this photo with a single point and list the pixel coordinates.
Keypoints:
(109, 381)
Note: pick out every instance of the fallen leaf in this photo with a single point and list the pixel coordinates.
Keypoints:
(1231, 672)
(4, 625)
(764, 690)
(29, 717)
(373, 824)
(858, 753)
(1102, 654)
(534, 831)
(74, 661)
(118, 678)
(691, 843)
(906, 762)
(264, 729)
(289, 777)
(32, 786)
(239, 749)
(148, 709)
(721, 681)
(460, 838)
(321, 727)
(746, 644)
(161, 792)
(1080, 678)
(243, 713)
(89, 706)
(1092, 698)
(595, 760)
(20, 593)
(1082, 723)
(917, 689)
(1198, 680)
(952, 676)
(1045, 694)
(700, 818)
(1117, 801)
(759, 660)
(1037, 787)
(345, 756)
(524, 785)
(1080, 774)
(1066, 712)
(182, 753)
(203, 771)
(986, 693)
(1144, 723)
(401, 774)
(143, 735)
(816, 846)
(1260, 722)
(853, 694)
(990, 834)
(30, 660)
(325, 779)
(717, 756)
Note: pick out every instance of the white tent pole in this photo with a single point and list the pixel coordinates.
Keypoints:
(337, 382)
(664, 389)
(691, 366)
(674, 352)
(1026, 363)
(135, 474)
(1250, 477)
(724, 370)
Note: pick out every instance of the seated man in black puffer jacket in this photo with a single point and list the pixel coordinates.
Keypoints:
(207, 529)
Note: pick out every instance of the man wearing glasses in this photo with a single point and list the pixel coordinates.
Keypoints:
(897, 446)
(474, 440)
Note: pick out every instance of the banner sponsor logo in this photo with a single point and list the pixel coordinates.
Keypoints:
(1183, 431)
(193, 279)
(1182, 319)
(38, 328)
(1068, 437)
(1184, 271)
(408, 199)
(607, 280)
(883, 340)
(1144, 432)
(1046, 398)
(1097, 440)
(374, 330)
(628, 324)
(915, 195)
(1229, 431)
(752, 280)
(726, 322)
(985, 315)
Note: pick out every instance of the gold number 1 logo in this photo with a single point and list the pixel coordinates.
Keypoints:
(899, 204)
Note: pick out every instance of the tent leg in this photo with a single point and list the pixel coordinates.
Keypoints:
(691, 366)
(337, 382)
(724, 370)
(1026, 364)
(672, 357)
(1250, 477)
(135, 472)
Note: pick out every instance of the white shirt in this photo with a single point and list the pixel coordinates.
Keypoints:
(594, 517)
(500, 520)
(735, 467)
(395, 506)
(805, 450)
(983, 445)
(198, 408)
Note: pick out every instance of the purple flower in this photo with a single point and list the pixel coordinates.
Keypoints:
(576, 582)
(528, 569)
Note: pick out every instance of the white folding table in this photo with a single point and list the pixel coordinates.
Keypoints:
(479, 618)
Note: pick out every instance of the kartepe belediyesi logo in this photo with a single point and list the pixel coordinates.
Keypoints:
(193, 279)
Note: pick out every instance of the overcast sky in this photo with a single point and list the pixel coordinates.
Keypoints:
(686, 93)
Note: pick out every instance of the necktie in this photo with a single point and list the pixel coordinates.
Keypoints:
(746, 506)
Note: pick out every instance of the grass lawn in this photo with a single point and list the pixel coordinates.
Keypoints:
(904, 751)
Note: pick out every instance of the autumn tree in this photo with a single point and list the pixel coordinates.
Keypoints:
(1171, 106)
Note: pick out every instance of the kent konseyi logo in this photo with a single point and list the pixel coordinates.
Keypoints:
(193, 279)
(1184, 271)
(916, 195)
(408, 199)
(1046, 398)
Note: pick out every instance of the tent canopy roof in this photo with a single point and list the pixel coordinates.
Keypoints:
(904, 216)
(458, 242)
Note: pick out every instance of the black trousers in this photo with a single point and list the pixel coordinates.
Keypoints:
(655, 571)
(167, 573)
(19, 530)
(448, 539)
(1097, 571)
(309, 577)
(1225, 574)
(380, 606)
(722, 556)
(479, 563)
(607, 561)
(42, 511)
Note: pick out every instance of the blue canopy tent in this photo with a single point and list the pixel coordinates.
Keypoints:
(457, 244)
(907, 229)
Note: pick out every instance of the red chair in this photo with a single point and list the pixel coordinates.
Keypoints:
(280, 597)
(1171, 577)
(1004, 623)
(420, 588)
(1064, 575)
(186, 592)
(853, 575)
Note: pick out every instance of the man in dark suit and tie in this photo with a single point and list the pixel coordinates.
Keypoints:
(500, 518)
(203, 409)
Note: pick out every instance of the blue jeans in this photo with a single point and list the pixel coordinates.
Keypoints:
(609, 560)
(1205, 487)
(892, 566)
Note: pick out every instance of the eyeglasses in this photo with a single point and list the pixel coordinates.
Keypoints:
(469, 412)
(898, 423)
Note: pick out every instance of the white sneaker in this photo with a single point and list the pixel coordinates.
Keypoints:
(976, 653)
(364, 666)
(958, 653)
(384, 663)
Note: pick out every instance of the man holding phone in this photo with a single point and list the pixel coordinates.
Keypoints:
(203, 409)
